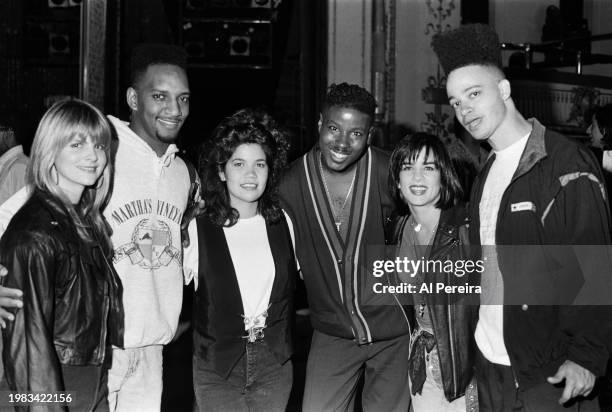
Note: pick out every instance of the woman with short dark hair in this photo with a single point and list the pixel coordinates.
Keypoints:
(434, 228)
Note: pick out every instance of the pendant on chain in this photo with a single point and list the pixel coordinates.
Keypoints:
(348, 193)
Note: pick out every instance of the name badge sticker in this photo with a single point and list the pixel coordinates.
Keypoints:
(522, 206)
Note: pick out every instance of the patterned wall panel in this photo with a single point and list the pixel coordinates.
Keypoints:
(420, 93)
(441, 16)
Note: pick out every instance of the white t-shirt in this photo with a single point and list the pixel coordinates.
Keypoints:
(254, 266)
(253, 263)
(490, 327)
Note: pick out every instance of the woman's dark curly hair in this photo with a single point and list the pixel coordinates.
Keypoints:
(246, 126)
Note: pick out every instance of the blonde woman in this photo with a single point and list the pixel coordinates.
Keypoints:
(57, 251)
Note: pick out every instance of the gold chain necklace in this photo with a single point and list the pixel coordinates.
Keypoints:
(337, 216)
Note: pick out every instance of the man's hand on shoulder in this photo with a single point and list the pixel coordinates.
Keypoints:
(9, 298)
(579, 381)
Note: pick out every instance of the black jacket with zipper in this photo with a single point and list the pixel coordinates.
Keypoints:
(553, 210)
(453, 319)
(72, 308)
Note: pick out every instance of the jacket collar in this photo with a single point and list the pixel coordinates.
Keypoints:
(450, 220)
(62, 221)
(52, 205)
(357, 209)
(535, 149)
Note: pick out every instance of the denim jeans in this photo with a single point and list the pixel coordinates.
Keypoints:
(257, 383)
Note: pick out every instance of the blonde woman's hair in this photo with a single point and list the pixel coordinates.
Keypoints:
(63, 121)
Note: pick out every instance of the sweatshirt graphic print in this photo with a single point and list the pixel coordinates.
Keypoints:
(145, 211)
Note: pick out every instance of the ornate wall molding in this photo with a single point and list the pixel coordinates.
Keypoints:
(561, 106)
(440, 13)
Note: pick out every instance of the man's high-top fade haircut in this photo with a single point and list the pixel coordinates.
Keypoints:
(145, 55)
(350, 96)
(467, 45)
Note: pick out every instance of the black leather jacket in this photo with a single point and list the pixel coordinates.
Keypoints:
(453, 324)
(71, 294)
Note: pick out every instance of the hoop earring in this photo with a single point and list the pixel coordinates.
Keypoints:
(100, 182)
(55, 177)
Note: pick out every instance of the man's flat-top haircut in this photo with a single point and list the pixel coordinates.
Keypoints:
(472, 44)
(145, 55)
(350, 96)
